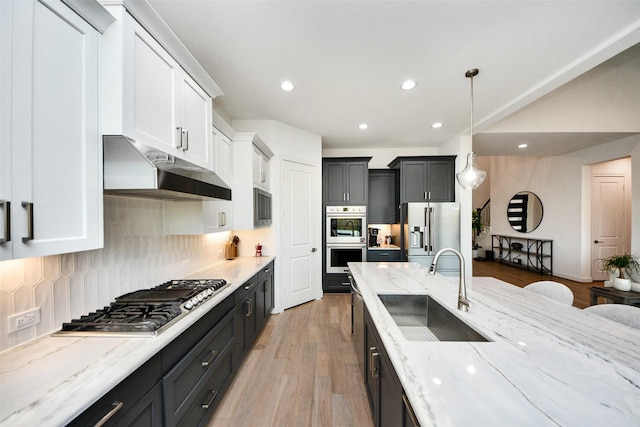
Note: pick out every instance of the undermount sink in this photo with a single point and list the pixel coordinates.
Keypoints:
(421, 318)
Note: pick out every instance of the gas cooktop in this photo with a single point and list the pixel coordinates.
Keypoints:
(145, 312)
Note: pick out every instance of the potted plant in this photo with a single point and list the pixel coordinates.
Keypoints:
(476, 228)
(621, 264)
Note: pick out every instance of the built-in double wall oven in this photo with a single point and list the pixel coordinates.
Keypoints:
(346, 228)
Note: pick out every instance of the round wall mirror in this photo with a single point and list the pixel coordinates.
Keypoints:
(524, 212)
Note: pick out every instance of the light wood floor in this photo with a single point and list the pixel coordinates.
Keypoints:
(302, 371)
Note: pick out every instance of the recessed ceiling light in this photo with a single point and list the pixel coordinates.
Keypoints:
(408, 85)
(436, 125)
(287, 86)
(522, 146)
(363, 126)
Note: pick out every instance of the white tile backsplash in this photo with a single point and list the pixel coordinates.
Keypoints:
(136, 255)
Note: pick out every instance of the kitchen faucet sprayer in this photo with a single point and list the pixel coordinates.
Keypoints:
(463, 302)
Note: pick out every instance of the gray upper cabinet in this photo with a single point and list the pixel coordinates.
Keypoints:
(383, 197)
(345, 181)
(426, 178)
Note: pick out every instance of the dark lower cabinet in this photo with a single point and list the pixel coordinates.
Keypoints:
(383, 386)
(183, 384)
(378, 255)
(389, 405)
(264, 295)
(336, 283)
(136, 400)
(195, 384)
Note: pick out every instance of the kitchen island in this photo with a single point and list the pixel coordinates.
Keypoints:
(51, 380)
(545, 363)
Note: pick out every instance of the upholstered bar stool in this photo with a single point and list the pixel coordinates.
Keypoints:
(625, 314)
(555, 290)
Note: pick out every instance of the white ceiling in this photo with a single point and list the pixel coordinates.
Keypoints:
(348, 58)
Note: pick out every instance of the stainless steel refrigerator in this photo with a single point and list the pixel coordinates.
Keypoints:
(429, 227)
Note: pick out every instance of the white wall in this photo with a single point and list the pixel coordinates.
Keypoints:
(563, 185)
(381, 157)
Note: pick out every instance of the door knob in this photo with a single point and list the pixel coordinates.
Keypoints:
(314, 249)
(597, 241)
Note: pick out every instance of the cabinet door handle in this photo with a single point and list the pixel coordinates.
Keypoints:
(412, 415)
(348, 197)
(185, 140)
(212, 397)
(249, 308)
(373, 361)
(179, 137)
(344, 197)
(212, 357)
(116, 407)
(224, 218)
(6, 208)
(29, 207)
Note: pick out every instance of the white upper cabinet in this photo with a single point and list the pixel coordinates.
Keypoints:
(248, 147)
(260, 169)
(51, 157)
(149, 97)
(208, 216)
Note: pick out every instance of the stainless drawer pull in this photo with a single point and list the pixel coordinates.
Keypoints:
(214, 354)
(29, 207)
(247, 287)
(206, 405)
(373, 361)
(179, 137)
(407, 405)
(185, 140)
(6, 208)
(249, 308)
(116, 407)
(266, 270)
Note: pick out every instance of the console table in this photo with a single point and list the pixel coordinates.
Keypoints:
(618, 297)
(532, 254)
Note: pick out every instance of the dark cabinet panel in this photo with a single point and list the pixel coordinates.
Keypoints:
(195, 370)
(345, 181)
(382, 384)
(426, 178)
(336, 283)
(129, 400)
(383, 199)
(264, 295)
(378, 255)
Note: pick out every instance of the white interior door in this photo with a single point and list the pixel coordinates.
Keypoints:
(608, 222)
(301, 257)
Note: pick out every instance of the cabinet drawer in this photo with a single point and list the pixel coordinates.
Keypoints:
(186, 380)
(245, 289)
(383, 255)
(207, 398)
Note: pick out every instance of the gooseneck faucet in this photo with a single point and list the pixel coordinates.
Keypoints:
(463, 302)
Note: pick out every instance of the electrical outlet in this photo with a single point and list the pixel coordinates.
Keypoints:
(24, 320)
(185, 263)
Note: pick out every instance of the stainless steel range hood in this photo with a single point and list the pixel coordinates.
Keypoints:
(135, 169)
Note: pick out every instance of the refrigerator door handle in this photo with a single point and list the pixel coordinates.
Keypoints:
(429, 247)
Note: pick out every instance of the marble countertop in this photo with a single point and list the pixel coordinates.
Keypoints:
(51, 380)
(547, 365)
(384, 246)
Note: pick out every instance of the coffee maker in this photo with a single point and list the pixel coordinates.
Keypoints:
(373, 236)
